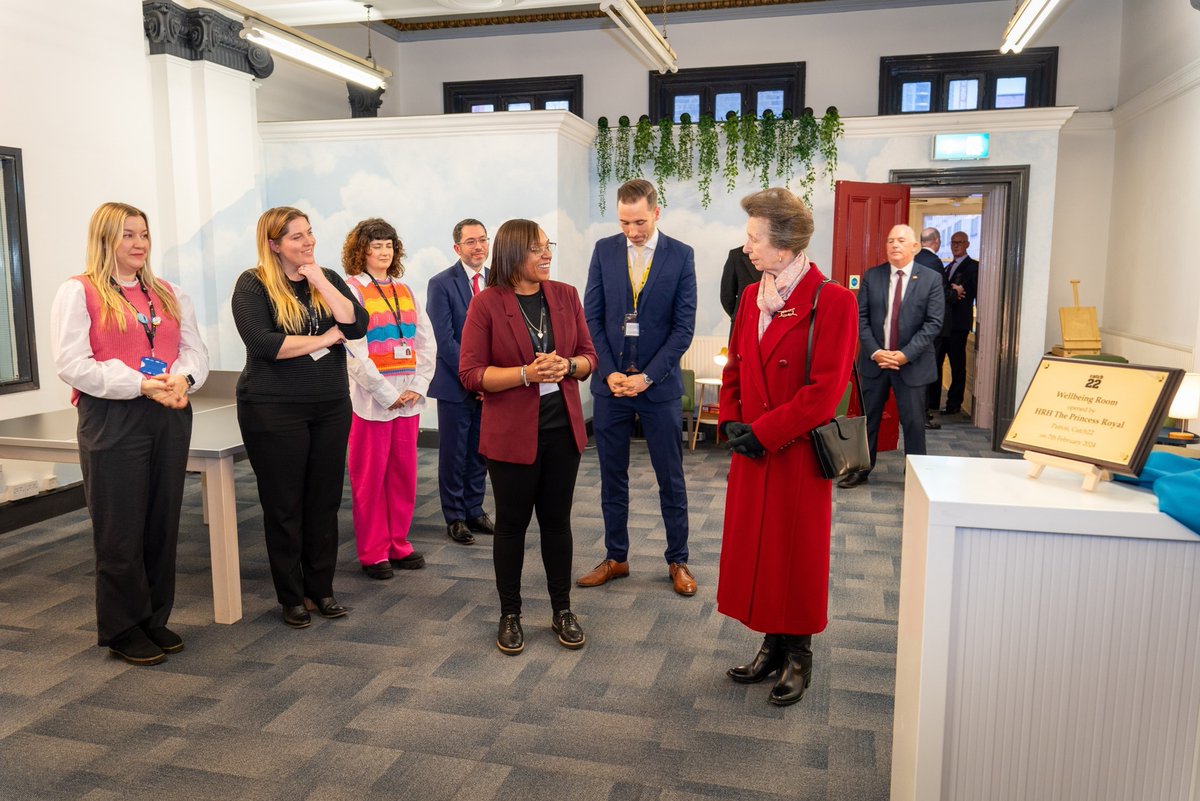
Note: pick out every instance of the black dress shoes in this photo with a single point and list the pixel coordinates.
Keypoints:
(414, 561)
(136, 648)
(567, 627)
(482, 524)
(459, 532)
(296, 616)
(164, 638)
(380, 570)
(510, 637)
(768, 660)
(854, 479)
(327, 607)
(948, 411)
(930, 423)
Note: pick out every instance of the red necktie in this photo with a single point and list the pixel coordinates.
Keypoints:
(475, 285)
(894, 328)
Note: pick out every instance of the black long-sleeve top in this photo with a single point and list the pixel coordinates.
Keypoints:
(301, 379)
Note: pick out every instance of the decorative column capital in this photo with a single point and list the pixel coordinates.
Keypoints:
(200, 34)
(364, 102)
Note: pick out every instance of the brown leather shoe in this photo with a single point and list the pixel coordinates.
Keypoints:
(682, 578)
(601, 573)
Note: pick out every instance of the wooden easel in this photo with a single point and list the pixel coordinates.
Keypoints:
(1092, 475)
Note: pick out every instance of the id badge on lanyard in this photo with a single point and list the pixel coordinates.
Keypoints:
(631, 324)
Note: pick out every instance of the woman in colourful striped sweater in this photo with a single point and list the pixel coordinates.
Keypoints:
(390, 375)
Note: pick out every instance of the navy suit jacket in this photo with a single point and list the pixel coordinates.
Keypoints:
(932, 261)
(921, 315)
(666, 313)
(959, 312)
(446, 301)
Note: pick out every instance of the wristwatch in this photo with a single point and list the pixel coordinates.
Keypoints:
(571, 367)
(647, 379)
(191, 381)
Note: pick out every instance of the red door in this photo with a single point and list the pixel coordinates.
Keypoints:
(863, 215)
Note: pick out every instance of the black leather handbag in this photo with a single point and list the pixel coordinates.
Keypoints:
(840, 444)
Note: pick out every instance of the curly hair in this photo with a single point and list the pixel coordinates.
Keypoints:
(358, 241)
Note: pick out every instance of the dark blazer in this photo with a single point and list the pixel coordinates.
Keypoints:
(495, 336)
(921, 316)
(738, 274)
(931, 260)
(959, 312)
(666, 313)
(447, 298)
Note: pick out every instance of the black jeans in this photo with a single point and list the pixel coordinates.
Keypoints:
(298, 452)
(547, 485)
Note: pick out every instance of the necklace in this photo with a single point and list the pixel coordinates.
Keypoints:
(538, 330)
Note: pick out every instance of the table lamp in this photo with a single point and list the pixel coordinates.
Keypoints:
(1185, 406)
(721, 358)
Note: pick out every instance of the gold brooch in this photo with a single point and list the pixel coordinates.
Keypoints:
(787, 313)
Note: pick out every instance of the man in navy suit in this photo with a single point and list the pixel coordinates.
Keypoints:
(640, 306)
(900, 309)
(931, 243)
(461, 470)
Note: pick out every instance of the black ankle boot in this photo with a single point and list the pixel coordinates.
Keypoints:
(797, 670)
(768, 660)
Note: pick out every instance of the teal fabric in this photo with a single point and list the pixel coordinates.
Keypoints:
(1176, 482)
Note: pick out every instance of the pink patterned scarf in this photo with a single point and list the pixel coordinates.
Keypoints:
(773, 291)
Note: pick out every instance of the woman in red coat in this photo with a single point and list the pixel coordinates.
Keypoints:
(525, 346)
(775, 549)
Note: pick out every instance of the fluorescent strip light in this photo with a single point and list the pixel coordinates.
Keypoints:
(1025, 23)
(634, 23)
(314, 56)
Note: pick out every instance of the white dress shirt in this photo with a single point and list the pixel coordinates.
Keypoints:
(75, 363)
(906, 271)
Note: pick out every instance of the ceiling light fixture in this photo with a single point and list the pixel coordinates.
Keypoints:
(1025, 23)
(299, 46)
(634, 23)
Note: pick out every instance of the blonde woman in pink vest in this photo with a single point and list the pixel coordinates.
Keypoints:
(389, 380)
(128, 344)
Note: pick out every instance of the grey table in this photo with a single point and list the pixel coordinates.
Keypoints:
(216, 444)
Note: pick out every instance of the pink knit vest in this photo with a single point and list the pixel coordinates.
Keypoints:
(129, 346)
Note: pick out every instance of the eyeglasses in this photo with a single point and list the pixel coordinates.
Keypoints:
(470, 243)
(538, 250)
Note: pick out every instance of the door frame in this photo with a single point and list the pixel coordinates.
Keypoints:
(1012, 270)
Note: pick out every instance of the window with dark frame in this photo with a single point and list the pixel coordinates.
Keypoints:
(973, 81)
(561, 92)
(18, 356)
(716, 91)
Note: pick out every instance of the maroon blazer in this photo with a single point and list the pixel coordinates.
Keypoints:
(495, 336)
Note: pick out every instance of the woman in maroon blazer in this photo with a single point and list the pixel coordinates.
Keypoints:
(775, 548)
(525, 346)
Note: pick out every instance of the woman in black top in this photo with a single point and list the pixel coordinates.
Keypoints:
(293, 400)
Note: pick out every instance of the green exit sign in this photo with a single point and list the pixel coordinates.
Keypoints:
(960, 147)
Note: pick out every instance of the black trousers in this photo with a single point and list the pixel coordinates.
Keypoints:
(298, 452)
(133, 454)
(547, 486)
(910, 405)
(954, 346)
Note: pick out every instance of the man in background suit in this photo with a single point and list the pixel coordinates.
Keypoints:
(900, 310)
(963, 275)
(738, 274)
(640, 306)
(461, 470)
(931, 243)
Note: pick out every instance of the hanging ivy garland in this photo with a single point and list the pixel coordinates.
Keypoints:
(665, 165)
(685, 148)
(789, 145)
(603, 158)
(706, 161)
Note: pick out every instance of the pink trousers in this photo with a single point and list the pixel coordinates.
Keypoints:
(383, 486)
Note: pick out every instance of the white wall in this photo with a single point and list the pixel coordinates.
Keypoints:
(76, 98)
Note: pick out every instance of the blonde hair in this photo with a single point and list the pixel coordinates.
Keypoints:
(104, 235)
(291, 316)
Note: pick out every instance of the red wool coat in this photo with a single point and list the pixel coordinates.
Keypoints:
(775, 549)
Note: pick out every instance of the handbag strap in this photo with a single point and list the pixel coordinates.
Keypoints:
(812, 319)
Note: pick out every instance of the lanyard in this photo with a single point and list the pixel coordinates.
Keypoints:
(637, 290)
(149, 324)
(395, 310)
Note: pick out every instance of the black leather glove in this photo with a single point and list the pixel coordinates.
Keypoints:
(732, 428)
(747, 444)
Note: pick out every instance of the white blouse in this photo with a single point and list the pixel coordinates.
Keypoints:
(70, 326)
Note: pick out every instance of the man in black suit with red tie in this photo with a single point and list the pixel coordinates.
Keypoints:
(962, 274)
(900, 309)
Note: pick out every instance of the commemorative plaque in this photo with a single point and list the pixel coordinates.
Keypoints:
(1098, 413)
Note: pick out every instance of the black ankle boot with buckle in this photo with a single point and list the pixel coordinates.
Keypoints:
(768, 660)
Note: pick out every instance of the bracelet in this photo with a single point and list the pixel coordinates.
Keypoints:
(571, 366)
(524, 377)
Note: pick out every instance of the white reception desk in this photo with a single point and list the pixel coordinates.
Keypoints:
(1049, 640)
